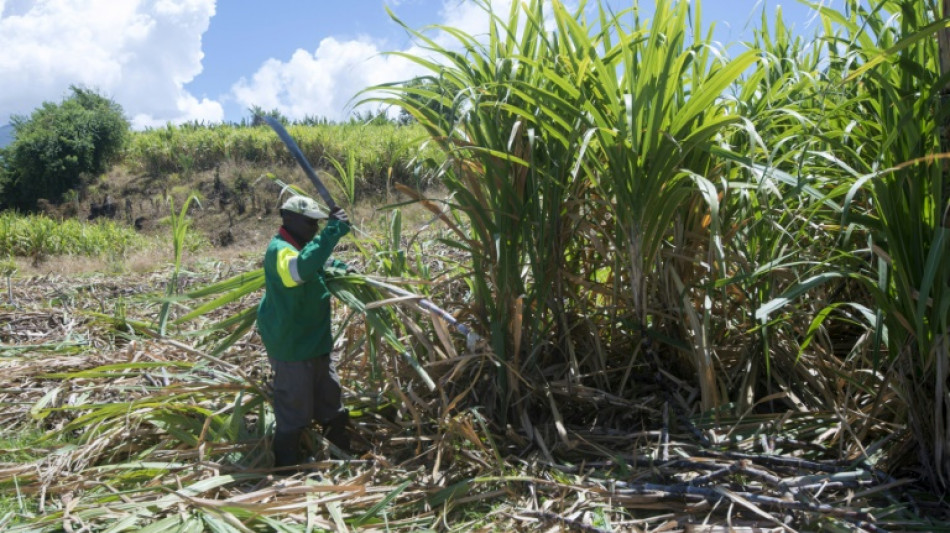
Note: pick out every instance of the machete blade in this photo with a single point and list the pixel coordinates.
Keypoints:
(298, 155)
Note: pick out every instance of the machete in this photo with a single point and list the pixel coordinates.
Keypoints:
(298, 155)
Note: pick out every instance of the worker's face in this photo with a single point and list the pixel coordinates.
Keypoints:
(301, 227)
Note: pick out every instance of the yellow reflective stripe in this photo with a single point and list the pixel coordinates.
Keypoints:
(287, 267)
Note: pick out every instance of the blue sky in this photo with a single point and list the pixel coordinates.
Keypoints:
(206, 60)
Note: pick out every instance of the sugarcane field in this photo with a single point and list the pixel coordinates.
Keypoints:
(588, 269)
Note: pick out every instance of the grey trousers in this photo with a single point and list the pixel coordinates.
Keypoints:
(305, 391)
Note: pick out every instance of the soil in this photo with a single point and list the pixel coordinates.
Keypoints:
(236, 211)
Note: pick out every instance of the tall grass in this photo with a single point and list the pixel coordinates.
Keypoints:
(39, 235)
(869, 138)
(657, 127)
(901, 197)
(570, 153)
(510, 170)
(778, 221)
(764, 224)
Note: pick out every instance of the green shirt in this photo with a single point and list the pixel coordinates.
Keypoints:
(294, 315)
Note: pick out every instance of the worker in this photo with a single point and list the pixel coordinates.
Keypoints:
(293, 319)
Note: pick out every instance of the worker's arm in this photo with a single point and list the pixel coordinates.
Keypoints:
(313, 257)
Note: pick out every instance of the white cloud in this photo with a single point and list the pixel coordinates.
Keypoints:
(139, 52)
(323, 82)
(142, 53)
(470, 17)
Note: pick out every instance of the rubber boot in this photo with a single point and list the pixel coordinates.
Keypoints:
(286, 446)
(337, 432)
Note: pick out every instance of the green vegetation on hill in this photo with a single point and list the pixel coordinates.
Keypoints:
(67, 151)
(39, 236)
(377, 151)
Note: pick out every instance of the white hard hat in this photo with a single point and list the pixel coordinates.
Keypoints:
(304, 206)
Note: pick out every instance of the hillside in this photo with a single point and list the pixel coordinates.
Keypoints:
(234, 171)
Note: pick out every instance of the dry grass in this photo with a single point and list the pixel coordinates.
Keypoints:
(118, 449)
(426, 458)
(144, 261)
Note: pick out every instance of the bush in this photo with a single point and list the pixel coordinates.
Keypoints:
(59, 146)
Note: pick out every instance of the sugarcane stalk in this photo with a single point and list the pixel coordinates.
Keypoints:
(943, 37)
(471, 338)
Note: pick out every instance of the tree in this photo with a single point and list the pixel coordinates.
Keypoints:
(60, 146)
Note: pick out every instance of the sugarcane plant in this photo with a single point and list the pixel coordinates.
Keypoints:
(179, 228)
(568, 156)
(625, 187)
(901, 196)
(8, 268)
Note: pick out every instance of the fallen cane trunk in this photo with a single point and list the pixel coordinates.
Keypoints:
(470, 336)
